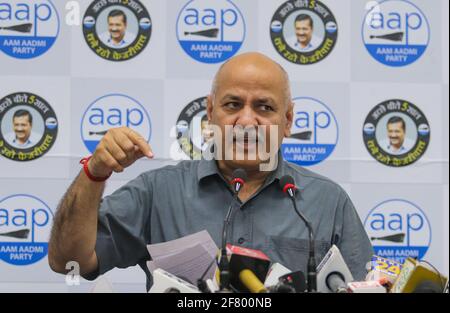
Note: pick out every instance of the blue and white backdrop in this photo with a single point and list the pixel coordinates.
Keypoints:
(367, 61)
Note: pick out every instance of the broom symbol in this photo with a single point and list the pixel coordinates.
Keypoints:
(19, 234)
(391, 37)
(22, 28)
(101, 133)
(210, 33)
(393, 238)
(306, 135)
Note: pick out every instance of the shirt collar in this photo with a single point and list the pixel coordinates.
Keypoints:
(208, 167)
(122, 42)
(402, 148)
(297, 44)
(15, 141)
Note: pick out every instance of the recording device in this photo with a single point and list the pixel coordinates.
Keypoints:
(276, 271)
(287, 184)
(419, 277)
(294, 282)
(333, 273)
(164, 282)
(237, 182)
(251, 281)
(248, 269)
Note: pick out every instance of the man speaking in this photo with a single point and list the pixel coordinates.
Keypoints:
(249, 91)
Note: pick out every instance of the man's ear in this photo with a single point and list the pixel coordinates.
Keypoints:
(209, 107)
(289, 119)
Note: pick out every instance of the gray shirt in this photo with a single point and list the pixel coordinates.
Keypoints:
(175, 201)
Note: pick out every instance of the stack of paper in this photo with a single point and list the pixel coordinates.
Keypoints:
(189, 258)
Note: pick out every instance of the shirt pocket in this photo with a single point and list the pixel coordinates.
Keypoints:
(293, 252)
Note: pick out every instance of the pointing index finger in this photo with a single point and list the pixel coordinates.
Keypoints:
(139, 141)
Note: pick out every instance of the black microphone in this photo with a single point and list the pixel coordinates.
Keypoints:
(237, 182)
(287, 184)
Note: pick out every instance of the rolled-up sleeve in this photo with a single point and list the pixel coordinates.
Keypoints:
(123, 227)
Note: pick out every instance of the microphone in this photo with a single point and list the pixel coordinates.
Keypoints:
(164, 282)
(238, 180)
(287, 184)
(248, 269)
(333, 273)
(335, 282)
(280, 279)
(239, 177)
(251, 281)
(254, 284)
(419, 277)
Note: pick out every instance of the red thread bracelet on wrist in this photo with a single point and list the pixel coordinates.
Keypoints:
(85, 161)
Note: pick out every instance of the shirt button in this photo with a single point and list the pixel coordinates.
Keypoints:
(241, 240)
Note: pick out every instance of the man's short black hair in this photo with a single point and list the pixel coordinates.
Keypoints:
(305, 17)
(117, 12)
(20, 113)
(397, 119)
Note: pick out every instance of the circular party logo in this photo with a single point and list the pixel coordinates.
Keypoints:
(398, 229)
(111, 111)
(192, 128)
(210, 31)
(396, 32)
(303, 32)
(25, 224)
(117, 30)
(314, 133)
(396, 133)
(28, 126)
(28, 29)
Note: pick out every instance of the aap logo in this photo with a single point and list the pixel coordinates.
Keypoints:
(398, 229)
(111, 111)
(396, 32)
(28, 29)
(210, 31)
(25, 223)
(314, 133)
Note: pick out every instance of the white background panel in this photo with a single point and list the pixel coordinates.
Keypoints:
(164, 79)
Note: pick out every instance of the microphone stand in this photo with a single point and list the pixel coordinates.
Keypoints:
(311, 267)
(224, 263)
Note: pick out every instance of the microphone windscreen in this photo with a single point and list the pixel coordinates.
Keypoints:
(240, 173)
(286, 179)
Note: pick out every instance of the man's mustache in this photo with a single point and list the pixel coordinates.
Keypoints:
(249, 135)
